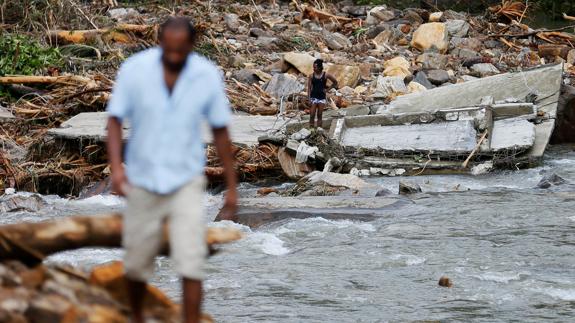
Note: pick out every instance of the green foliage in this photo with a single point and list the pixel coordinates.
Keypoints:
(22, 55)
(301, 43)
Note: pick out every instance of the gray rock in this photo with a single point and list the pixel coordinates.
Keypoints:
(258, 32)
(438, 77)
(245, 75)
(454, 15)
(406, 187)
(421, 78)
(491, 43)
(232, 21)
(5, 115)
(412, 16)
(432, 61)
(123, 14)
(470, 43)
(465, 53)
(485, 69)
(356, 11)
(265, 41)
(457, 28)
(13, 203)
(383, 192)
(551, 180)
(283, 84)
(336, 41)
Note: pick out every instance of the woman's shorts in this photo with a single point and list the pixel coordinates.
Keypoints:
(317, 101)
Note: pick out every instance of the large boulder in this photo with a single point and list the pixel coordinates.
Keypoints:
(336, 41)
(398, 66)
(345, 75)
(550, 180)
(431, 36)
(303, 62)
(407, 187)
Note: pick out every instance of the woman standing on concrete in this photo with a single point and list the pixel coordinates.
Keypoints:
(317, 89)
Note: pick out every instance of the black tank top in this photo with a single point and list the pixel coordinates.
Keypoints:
(318, 86)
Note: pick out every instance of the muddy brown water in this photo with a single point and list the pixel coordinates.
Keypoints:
(507, 247)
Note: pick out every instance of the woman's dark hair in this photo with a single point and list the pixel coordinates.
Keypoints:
(178, 23)
(319, 63)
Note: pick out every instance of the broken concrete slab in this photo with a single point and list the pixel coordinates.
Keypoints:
(458, 137)
(244, 130)
(337, 180)
(516, 134)
(545, 80)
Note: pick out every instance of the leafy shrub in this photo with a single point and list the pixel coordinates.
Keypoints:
(22, 55)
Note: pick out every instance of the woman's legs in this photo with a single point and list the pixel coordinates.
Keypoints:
(312, 112)
(319, 110)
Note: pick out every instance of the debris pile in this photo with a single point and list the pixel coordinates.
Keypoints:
(384, 59)
(31, 291)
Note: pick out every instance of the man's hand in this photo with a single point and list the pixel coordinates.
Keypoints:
(120, 182)
(230, 208)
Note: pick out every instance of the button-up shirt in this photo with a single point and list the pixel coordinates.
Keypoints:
(165, 148)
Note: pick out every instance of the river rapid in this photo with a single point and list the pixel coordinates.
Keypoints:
(507, 246)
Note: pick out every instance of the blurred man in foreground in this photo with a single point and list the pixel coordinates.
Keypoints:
(165, 93)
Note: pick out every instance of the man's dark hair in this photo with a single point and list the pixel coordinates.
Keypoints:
(319, 63)
(179, 23)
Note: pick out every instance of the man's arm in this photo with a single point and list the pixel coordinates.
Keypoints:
(224, 150)
(114, 145)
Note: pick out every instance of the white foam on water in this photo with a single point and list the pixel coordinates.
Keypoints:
(499, 277)
(410, 260)
(561, 294)
(572, 218)
(267, 242)
(338, 224)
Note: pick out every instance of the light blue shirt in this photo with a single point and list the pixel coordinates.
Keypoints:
(165, 148)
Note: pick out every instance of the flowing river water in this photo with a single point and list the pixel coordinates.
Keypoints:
(507, 246)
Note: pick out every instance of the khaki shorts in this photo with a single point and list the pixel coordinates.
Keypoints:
(143, 225)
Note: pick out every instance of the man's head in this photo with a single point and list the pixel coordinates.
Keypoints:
(318, 65)
(177, 38)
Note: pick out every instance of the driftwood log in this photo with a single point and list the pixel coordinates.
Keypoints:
(122, 33)
(31, 242)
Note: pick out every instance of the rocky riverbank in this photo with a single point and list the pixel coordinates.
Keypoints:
(378, 54)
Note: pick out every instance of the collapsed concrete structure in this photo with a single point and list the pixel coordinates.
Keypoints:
(505, 120)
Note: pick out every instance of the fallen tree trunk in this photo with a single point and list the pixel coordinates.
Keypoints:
(118, 34)
(31, 79)
(31, 242)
